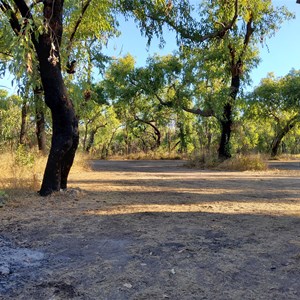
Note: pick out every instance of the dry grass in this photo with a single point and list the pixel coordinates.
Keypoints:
(151, 155)
(22, 170)
(237, 163)
(286, 157)
(244, 163)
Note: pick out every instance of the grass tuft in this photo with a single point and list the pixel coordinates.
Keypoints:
(244, 163)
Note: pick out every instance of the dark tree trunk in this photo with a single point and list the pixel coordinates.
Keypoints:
(226, 123)
(91, 140)
(40, 131)
(85, 136)
(40, 121)
(280, 135)
(156, 132)
(23, 122)
(182, 136)
(65, 136)
(156, 136)
(92, 137)
(226, 120)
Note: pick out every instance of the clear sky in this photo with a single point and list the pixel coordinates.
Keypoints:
(281, 55)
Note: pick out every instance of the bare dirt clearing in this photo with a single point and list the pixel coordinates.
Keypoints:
(155, 230)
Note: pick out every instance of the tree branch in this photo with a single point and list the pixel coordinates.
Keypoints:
(23, 8)
(168, 104)
(249, 31)
(6, 54)
(73, 33)
(196, 36)
(12, 18)
(198, 111)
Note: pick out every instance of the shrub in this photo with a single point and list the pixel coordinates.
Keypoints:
(203, 161)
(244, 163)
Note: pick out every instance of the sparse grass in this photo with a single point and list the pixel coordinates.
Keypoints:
(23, 170)
(237, 163)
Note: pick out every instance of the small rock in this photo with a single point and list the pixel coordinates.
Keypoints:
(127, 285)
(4, 270)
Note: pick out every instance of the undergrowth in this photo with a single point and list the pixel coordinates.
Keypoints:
(23, 169)
(237, 163)
(244, 163)
(150, 155)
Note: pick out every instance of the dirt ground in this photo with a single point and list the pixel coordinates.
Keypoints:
(156, 230)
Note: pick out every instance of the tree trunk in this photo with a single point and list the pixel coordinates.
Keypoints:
(226, 120)
(40, 131)
(40, 121)
(85, 135)
(65, 135)
(91, 140)
(156, 132)
(226, 123)
(23, 122)
(280, 135)
(182, 136)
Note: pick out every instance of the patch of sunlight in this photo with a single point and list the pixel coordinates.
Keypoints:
(284, 209)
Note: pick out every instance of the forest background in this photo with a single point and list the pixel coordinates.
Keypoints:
(135, 99)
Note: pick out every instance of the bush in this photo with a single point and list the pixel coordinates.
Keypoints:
(244, 163)
(203, 161)
(237, 163)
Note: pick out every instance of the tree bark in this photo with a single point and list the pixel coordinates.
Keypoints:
(182, 136)
(65, 135)
(40, 121)
(224, 151)
(23, 122)
(91, 140)
(40, 131)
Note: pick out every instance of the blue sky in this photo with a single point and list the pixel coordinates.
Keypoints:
(281, 55)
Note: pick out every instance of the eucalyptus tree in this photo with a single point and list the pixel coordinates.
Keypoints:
(277, 99)
(228, 29)
(45, 35)
(131, 91)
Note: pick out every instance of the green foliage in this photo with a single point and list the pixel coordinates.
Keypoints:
(277, 100)
(9, 119)
(131, 104)
(23, 157)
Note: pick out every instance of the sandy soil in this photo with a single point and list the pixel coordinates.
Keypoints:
(155, 230)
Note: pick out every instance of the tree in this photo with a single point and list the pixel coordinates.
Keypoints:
(229, 30)
(129, 89)
(39, 29)
(277, 99)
